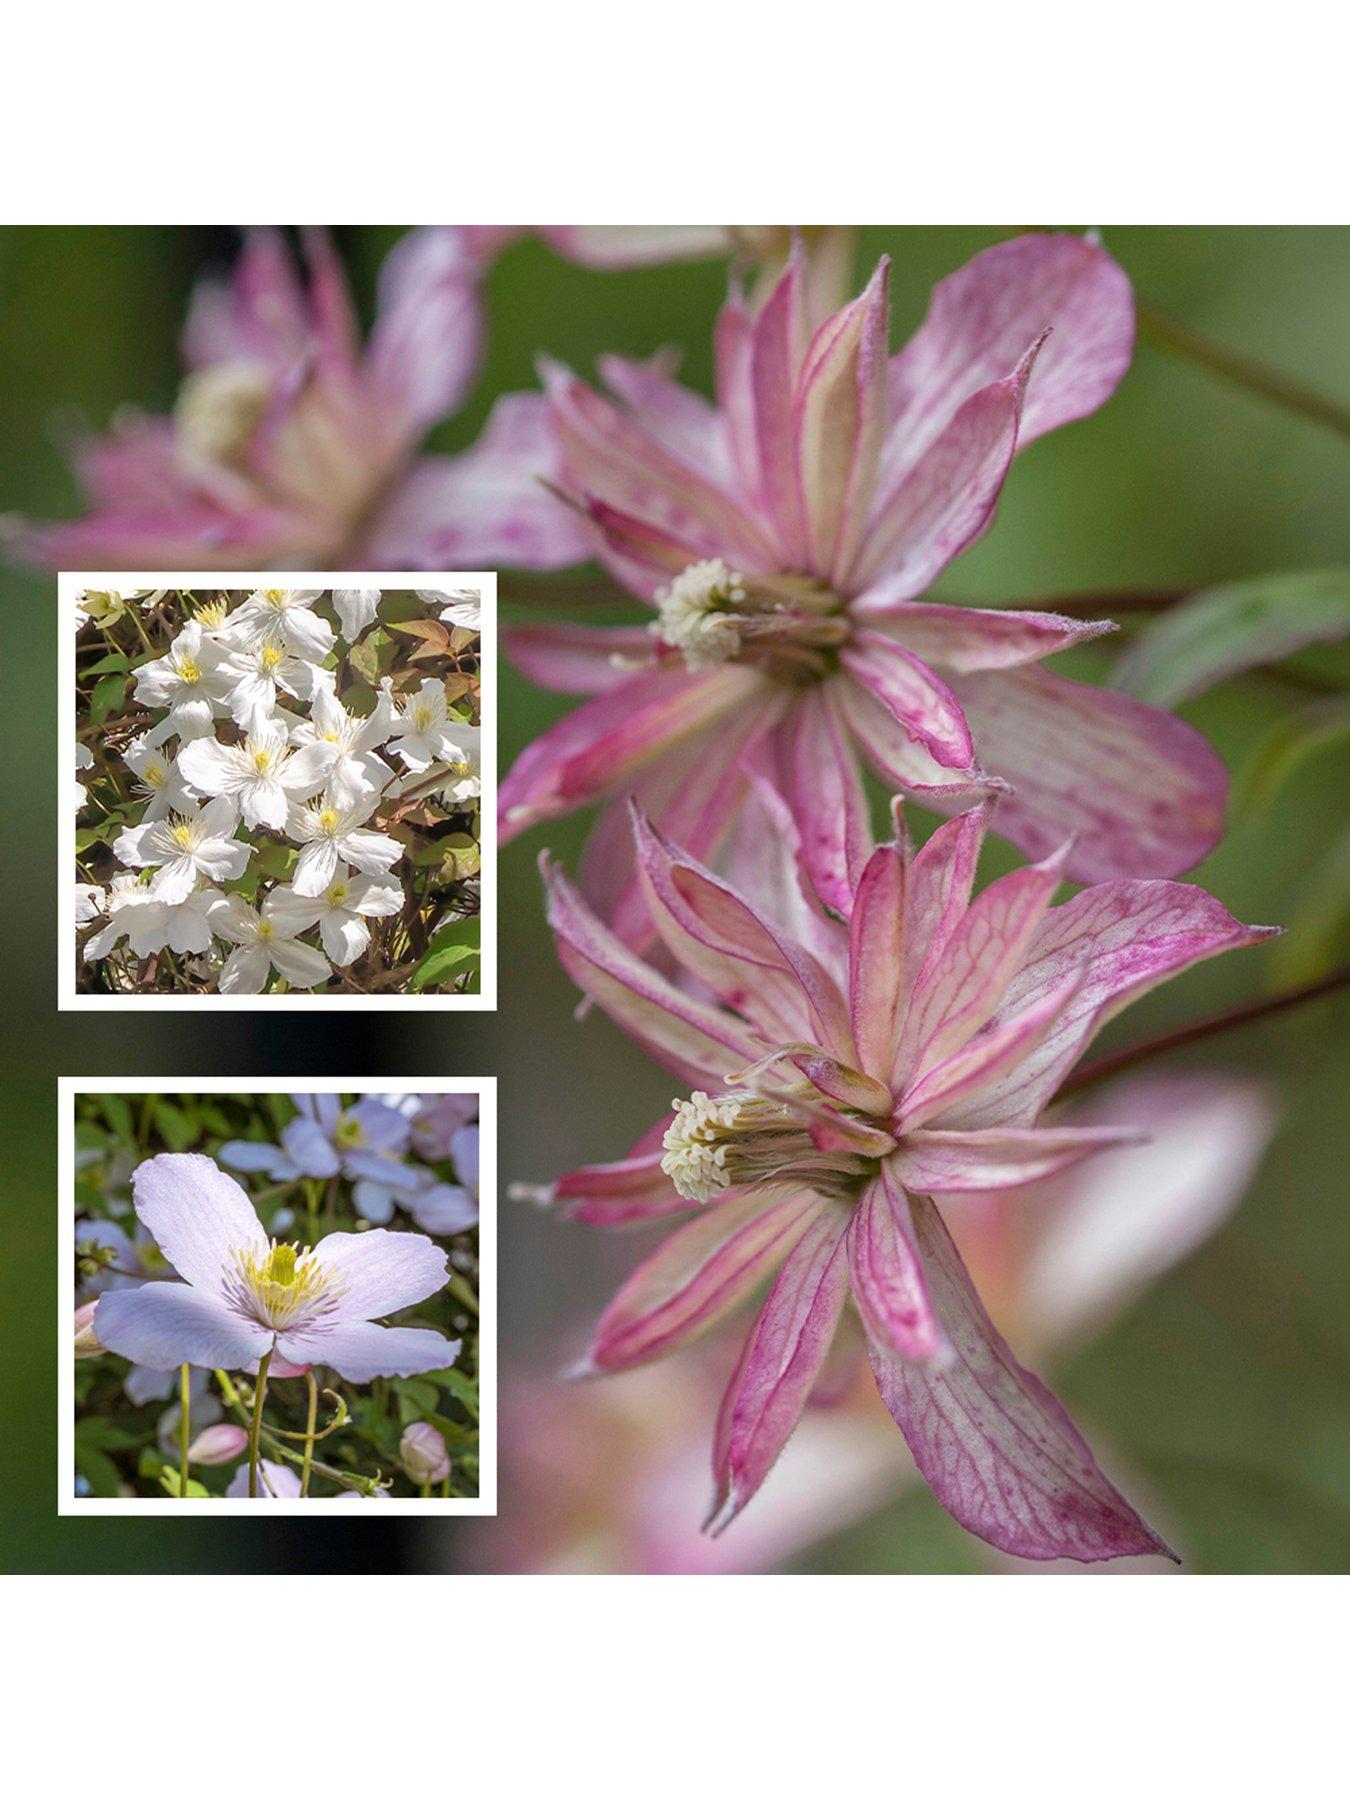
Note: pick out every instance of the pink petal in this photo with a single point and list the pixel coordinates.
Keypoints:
(360, 1351)
(164, 1324)
(940, 883)
(381, 1272)
(977, 1162)
(997, 1448)
(259, 315)
(733, 347)
(877, 958)
(1142, 793)
(938, 504)
(702, 1272)
(485, 507)
(778, 344)
(784, 1355)
(827, 799)
(699, 1042)
(577, 659)
(600, 746)
(887, 1273)
(687, 424)
(199, 1216)
(924, 706)
(905, 764)
(967, 639)
(839, 418)
(619, 1193)
(428, 337)
(641, 555)
(981, 319)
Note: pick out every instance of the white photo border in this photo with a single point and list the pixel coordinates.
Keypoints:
(68, 996)
(71, 1506)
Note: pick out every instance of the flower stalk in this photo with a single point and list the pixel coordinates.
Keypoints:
(255, 1431)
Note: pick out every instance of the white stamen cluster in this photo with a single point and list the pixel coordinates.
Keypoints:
(716, 1141)
(698, 613)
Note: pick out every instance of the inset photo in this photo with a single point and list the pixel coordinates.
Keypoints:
(280, 791)
(277, 1296)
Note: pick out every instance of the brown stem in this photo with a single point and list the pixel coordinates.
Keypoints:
(1106, 1067)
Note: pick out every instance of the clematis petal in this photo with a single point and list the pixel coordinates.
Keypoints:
(315, 868)
(876, 961)
(997, 1448)
(427, 340)
(577, 659)
(827, 799)
(200, 1217)
(356, 609)
(976, 1162)
(343, 937)
(381, 1272)
(300, 965)
(778, 1369)
(887, 1272)
(257, 1159)
(981, 319)
(702, 1272)
(699, 1042)
(906, 765)
(444, 1209)
(925, 707)
(360, 1351)
(687, 424)
(970, 639)
(611, 737)
(309, 1146)
(618, 1193)
(778, 343)
(164, 1324)
(1142, 792)
(245, 970)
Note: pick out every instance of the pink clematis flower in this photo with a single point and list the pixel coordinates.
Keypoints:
(242, 1296)
(843, 1076)
(294, 446)
(786, 536)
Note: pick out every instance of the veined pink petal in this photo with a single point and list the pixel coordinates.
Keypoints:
(778, 343)
(199, 1216)
(994, 1444)
(839, 418)
(428, 337)
(1121, 938)
(740, 954)
(763, 857)
(165, 1323)
(1004, 1045)
(925, 707)
(733, 342)
(958, 993)
(619, 1193)
(940, 881)
(361, 1351)
(968, 639)
(1141, 791)
(940, 503)
(827, 799)
(786, 1351)
(977, 1162)
(699, 1042)
(876, 960)
(577, 659)
(608, 454)
(702, 1272)
(641, 555)
(635, 246)
(981, 319)
(905, 764)
(682, 420)
(258, 315)
(887, 1273)
(333, 322)
(484, 507)
(605, 742)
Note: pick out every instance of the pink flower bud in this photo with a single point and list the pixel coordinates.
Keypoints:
(424, 1455)
(86, 1339)
(218, 1444)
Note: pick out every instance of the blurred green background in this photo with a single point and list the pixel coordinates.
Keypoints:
(1228, 1388)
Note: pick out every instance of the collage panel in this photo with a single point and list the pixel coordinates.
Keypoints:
(277, 790)
(281, 1293)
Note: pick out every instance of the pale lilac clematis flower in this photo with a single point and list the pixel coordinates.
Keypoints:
(186, 846)
(845, 1075)
(362, 1142)
(292, 446)
(242, 1295)
(785, 538)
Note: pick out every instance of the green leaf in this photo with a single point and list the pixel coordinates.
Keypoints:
(440, 963)
(1318, 938)
(460, 857)
(1240, 625)
(168, 1480)
(1283, 751)
(108, 696)
(118, 1115)
(114, 660)
(459, 1384)
(175, 1127)
(99, 1470)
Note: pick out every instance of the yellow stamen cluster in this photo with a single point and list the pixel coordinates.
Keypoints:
(189, 670)
(285, 1287)
(350, 1133)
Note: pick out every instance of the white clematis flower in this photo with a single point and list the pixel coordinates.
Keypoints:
(347, 743)
(424, 731)
(257, 669)
(183, 847)
(330, 835)
(260, 777)
(84, 759)
(356, 608)
(186, 680)
(105, 606)
(462, 607)
(265, 942)
(285, 613)
(341, 910)
(159, 780)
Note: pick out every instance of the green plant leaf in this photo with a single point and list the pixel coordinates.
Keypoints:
(1284, 750)
(1240, 625)
(107, 697)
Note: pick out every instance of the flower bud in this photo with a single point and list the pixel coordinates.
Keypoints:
(86, 1339)
(424, 1455)
(218, 1444)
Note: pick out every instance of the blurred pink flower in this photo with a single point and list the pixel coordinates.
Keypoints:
(844, 1076)
(610, 1479)
(292, 445)
(785, 537)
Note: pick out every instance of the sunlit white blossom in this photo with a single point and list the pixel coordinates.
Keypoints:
(329, 835)
(259, 776)
(341, 910)
(183, 846)
(265, 942)
(159, 780)
(286, 613)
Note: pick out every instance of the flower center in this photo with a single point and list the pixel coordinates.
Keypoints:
(266, 931)
(212, 615)
(154, 775)
(421, 717)
(181, 833)
(350, 1133)
(328, 821)
(262, 761)
(275, 597)
(786, 623)
(284, 1288)
(189, 670)
(716, 1141)
(271, 657)
(337, 894)
(219, 408)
